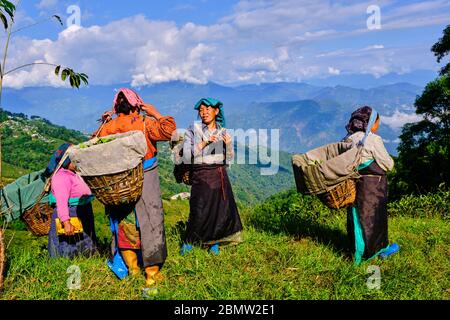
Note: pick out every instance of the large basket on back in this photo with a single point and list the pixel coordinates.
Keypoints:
(112, 166)
(38, 218)
(328, 172)
(181, 171)
(119, 188)
(341, 195)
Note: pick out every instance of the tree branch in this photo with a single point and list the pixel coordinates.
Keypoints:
(29, 64)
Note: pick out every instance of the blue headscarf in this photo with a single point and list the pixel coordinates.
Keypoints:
(56, 158)
(210, 102)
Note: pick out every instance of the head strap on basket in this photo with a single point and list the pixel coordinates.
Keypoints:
(372, 120)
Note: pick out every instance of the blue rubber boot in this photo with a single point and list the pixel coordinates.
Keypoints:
(215, 249)
(390, 250)
(186, 248)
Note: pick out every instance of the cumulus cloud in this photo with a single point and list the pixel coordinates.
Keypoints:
(263, 40)
(398, 119)
(334, 71)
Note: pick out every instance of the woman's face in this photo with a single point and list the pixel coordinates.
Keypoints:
(72, 167)
(208, 114)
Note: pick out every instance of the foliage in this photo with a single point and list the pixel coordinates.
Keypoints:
(75, 78)
(442, 48)
(293, 213)
(8, 8)
(424, 151)
(29, 144)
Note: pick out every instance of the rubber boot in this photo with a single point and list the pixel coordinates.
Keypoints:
(152, 275)
(131, 259)
(215, 249)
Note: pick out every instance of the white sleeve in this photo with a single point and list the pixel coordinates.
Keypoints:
(381, 156)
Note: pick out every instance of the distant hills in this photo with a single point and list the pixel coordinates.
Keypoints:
(307, 115)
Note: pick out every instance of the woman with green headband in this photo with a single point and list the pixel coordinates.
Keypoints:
(214, 217)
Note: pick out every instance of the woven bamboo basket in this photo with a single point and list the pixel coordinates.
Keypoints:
(120, 188)
(38, 218)
(341, 196)
(2, 258)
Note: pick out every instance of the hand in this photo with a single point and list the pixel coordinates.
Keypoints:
(203, 144)
(150, 110)
(227, 138)
(69, 229)
(107, 116)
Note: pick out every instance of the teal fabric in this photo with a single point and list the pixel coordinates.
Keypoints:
(365, 164)
(73, 202)
(378, 253)
(22, 194)
(210, 102)
(359, 239)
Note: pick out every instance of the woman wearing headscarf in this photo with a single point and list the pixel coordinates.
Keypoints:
(367, 219)
(71, 198)
(141, 236)
(214, 217)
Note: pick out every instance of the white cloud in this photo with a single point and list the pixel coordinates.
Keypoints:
(263, 40)
(398, 119)
(45, 4)
(334, 71)
(374, 47)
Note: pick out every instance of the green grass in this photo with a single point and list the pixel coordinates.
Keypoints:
(268, 265)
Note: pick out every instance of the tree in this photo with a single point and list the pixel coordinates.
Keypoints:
(7, 11)
(424, 151)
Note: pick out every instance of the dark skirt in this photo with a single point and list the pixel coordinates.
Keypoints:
(150, 219)
(213, 211)
(70, 246)
(368, 233)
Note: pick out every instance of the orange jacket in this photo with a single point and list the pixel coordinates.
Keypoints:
(156, 130)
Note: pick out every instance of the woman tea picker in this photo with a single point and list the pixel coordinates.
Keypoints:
(141, 237)
(367, 224)
(214, 217)
(71, 198)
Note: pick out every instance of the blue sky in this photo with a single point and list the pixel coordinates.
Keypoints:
(229, 42)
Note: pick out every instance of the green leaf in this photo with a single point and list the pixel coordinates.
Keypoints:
(84, 78)
(64, 74)
(9, 8)
(4, 20)
(57, 70)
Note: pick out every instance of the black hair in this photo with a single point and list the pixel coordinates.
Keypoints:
(123, 106)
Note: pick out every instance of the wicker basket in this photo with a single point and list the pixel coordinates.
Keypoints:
(120, 188)
(341, 196)
(38, 218)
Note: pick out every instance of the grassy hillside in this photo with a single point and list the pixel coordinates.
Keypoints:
(307, 261)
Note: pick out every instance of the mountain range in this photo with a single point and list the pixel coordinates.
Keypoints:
(307, 115)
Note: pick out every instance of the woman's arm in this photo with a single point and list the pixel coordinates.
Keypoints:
(61, 190)
(161, 127)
